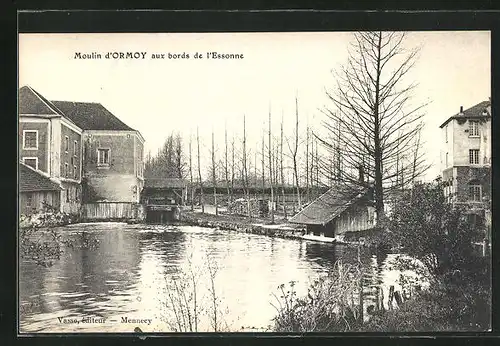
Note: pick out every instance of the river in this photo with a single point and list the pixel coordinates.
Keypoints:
(136, 275)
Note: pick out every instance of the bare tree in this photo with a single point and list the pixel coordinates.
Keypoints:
(375, 118)
(270, 167)
(214, 176)
(226, 168)
(263, 150)
(232, 169)
(180, 165)
(308, 196)
(191, 170)
(245, 168)
(293, 152)
(200, 181)
(282, 170)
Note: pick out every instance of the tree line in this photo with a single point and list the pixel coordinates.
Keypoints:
(370, 136)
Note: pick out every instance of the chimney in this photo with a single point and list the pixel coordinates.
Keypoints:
(461, 110)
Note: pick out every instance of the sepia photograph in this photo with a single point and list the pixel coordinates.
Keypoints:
(290, 182)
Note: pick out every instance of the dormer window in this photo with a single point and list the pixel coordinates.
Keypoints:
(473, 128)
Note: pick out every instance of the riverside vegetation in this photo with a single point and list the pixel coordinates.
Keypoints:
(432, 232)
(422, 226)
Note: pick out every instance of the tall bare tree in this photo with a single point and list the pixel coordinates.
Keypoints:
(214, 176)
(232, 170)
(270, 160)
(376, 119)
(191, 170)
(245, 168)
(308, 196)
(226, 167)
(293, 152)
(282, 171)
(263, 150)
(200, 181)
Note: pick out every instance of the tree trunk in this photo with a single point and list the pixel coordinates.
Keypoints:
(282, 171)
(271, 171)
(191, 171)
(214, 178)
(202, 203)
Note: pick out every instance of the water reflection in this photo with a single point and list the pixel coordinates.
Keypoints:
(131, 271)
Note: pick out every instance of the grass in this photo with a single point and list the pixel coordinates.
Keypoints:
(442, 309)
(458, 303)
(330, 304)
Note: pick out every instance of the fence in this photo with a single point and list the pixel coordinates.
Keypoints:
(112, 211)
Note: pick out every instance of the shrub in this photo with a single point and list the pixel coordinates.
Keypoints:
(330, 304)
(464, 307)
(426, 227)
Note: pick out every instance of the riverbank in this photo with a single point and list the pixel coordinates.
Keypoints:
(47, 219)
(243, 224)
(279, 229)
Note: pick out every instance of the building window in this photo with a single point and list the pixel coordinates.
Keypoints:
(31, 161)
(30, 139)
(66, 170)
(103, 157)
(475, 193)
(67, 195)
(446, 133)
(446, 160)
(66, 144)
(29, 200)
(474, 156)
(75, 172)
(75, 148)
(473, 128)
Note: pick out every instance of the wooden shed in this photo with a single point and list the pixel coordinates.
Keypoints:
(338, 211)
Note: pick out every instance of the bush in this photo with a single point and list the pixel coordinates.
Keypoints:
(330, 304)
(458, 307)
(426, 227)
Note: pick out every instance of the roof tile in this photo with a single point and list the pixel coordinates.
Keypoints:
(31, 180)
(476, 111)
(328, 206)
(91, 116)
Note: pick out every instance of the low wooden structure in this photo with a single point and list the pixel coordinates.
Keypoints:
(163, 198)
(112, 211)
(337, 212)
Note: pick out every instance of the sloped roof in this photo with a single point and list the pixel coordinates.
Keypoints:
(32, 102)
(164, 183)
(91, 116)
(328, 206)
(476, 111)
(31, 180)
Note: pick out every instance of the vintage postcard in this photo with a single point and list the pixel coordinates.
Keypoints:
(254, 182)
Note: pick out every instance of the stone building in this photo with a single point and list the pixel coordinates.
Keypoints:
(51, 143)
(466, 161)
(466, 154)
(83, 147)
(113, 160)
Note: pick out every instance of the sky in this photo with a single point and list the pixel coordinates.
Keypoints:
(158, 96)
